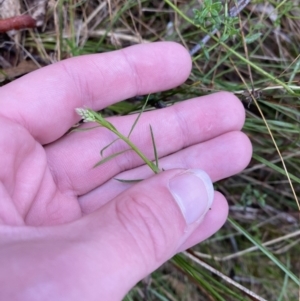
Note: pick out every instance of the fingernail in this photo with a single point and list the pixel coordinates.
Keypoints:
(194, 193)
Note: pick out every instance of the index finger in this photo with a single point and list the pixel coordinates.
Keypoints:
(44, 101)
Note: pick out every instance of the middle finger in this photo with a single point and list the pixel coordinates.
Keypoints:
(220, 158)
(187, 123)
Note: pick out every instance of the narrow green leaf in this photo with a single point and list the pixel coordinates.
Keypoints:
(206, 53)
(251, 38)
(214, 13)
(84, 129)
(128, 181)
(154, 147)
(109, 125)
(224, 37)
(158, 296)
(205, 279)
(284, 287)
(203, 14)
(122, 107)
(107, 146)
(275, 167)
(217, 6)
(139, 115)
(265, 251)
(110, 157)
(101, 120)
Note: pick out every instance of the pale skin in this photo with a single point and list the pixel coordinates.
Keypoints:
(71, 232)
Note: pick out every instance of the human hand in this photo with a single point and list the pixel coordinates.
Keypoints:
(71, 232)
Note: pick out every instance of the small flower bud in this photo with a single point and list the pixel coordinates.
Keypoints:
(85, 114)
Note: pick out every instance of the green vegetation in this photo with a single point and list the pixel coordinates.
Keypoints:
(254, 55)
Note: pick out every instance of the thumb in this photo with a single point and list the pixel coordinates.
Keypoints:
(146, 225)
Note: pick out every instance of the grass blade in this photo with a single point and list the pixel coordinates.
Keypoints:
(274, 167)
(101, 120)
(107, 146)
(265, 251)
(204, 277)
(154, 147)
(106, 159)
(84, 129)
(128, 181)
(224, 278)
(139, 115)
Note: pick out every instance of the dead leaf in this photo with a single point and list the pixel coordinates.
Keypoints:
(23, 68)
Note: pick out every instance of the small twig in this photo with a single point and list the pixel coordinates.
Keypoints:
(224, 277)
(235, 10)
(249, 250)
(246, 54)
(17, 22)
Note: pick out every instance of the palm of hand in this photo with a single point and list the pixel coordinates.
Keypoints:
(29, 192)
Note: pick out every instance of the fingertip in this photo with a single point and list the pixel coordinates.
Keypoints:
(244, 145)
(173, 65)
(213, 221)
(234, 149)
(231, 101)
(181, 59)
(228, 107)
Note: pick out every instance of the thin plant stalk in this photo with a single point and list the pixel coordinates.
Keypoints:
(89, 115)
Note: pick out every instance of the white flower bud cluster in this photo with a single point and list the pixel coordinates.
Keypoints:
(85, 114)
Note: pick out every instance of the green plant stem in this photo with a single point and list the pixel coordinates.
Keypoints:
(138, 152)
(89, 115)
